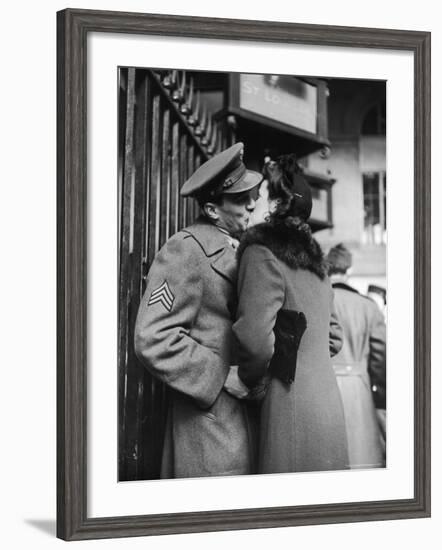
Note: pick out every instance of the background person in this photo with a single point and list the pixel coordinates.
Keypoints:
(363, 351)
(183, 332)
(377, 371)
(379, 295)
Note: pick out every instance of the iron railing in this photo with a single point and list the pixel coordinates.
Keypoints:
(165, 133)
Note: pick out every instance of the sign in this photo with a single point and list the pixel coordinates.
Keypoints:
(282, 98)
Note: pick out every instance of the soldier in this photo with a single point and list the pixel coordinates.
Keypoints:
(183, 330)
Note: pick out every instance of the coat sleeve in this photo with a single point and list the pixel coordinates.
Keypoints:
(261, 293)
(377, 359)
(335, 333)
(163, 342)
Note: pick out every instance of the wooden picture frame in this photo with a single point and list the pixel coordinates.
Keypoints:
(73, 27)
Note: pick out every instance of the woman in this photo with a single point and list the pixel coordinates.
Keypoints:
(286, 330)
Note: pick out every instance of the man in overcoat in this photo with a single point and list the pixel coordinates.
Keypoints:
(362, 353)
(183, 332)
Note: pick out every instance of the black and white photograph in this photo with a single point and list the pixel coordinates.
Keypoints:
(252, 286)
(221, 229)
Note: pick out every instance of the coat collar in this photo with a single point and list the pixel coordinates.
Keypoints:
(344, 286)
(207, 236)
(293, 246)
(225, 264)
(215, 246)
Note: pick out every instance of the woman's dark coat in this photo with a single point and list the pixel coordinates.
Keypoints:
(302, 424)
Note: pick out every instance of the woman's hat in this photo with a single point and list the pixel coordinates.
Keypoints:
(302, 202)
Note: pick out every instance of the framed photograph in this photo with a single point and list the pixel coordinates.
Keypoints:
(225, 192)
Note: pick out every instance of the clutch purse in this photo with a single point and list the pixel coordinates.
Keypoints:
(289, 327)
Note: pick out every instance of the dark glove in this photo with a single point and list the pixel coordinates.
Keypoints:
(289, 328)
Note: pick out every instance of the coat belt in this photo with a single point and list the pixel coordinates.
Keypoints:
(355, 368)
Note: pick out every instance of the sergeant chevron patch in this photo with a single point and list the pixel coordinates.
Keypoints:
(162, 295)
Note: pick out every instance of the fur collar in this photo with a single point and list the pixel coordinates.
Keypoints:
(294, 247)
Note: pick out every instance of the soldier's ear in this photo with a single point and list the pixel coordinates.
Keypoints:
(211, 210)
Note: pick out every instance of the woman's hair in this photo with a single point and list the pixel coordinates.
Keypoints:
(284, 178)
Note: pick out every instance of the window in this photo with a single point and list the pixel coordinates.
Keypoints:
(375, 223)
(374, 121)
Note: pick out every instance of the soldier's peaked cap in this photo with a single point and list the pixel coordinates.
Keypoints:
(227, 170)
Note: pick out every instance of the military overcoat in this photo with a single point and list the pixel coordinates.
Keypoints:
(183, 335)
(302, 424)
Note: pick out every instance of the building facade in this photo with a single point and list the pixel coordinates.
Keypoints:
(357, 162)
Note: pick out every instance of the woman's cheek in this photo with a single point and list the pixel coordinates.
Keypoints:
(260, 212)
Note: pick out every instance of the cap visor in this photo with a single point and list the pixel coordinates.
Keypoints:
(249, 181)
